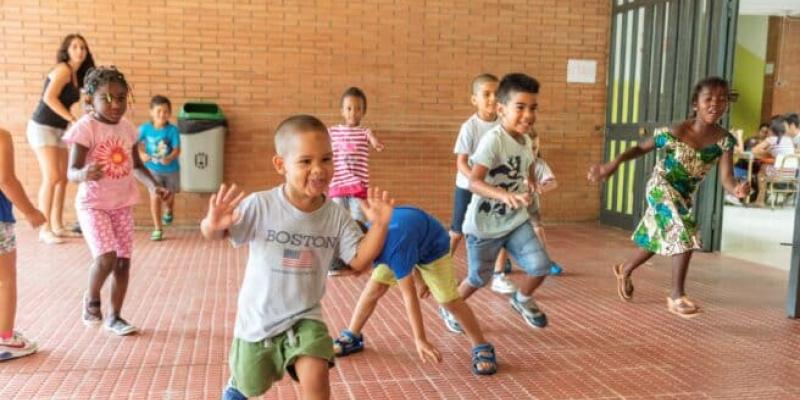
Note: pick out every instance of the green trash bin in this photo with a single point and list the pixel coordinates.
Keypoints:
(203, 127)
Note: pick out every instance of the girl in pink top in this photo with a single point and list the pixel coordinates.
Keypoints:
(103, 158)
(351, 143)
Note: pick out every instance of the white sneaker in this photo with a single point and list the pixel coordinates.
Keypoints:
(501, 284)
(15, 347)
(48, 237)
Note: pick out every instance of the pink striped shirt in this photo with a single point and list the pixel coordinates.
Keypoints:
(350, 161)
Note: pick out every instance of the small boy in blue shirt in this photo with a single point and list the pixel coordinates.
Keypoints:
(159, 148)
(417, 245)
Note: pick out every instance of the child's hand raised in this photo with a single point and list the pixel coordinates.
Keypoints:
(427, 352)
(378, 206)
(599, 172)
(222, 205)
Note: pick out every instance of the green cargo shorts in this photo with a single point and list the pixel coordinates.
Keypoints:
(256, 366)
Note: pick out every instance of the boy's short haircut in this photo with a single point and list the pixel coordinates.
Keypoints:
(515, 83)
(792, 119)
(353, 91)
(296, 124)
(158, 100)
(480, 80)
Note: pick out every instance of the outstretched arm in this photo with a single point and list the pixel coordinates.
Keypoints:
(427, 352)
(374, 142)
(599, 172)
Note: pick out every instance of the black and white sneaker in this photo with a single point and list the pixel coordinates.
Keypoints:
(530, 312)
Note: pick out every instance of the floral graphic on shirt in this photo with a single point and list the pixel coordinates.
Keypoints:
(115, 158)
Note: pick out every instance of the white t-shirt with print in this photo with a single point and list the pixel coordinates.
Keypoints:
(508, 161)
(290, 251)
(468, 138)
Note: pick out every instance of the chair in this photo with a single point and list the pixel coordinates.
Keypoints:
(783, 182)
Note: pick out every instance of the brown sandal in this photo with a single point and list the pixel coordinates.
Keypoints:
(624, 284)
(683, 307)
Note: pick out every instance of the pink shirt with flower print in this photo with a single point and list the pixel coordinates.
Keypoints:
(110, 147)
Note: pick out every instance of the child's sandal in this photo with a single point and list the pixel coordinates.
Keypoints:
(347, 343)
(483, 356)
(92, 312)
(682, 307)
(624, 283)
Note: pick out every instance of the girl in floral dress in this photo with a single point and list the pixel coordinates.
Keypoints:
(690, 150)
(103, 158)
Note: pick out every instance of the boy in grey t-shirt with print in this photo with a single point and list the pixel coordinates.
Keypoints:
(497, 215)
(293, 233)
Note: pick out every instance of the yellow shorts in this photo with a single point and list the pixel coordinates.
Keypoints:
(438, 275)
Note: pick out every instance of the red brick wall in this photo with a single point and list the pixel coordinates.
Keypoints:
(786, 91)
(265, 62)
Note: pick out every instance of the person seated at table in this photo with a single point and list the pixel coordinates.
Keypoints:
(779, 142)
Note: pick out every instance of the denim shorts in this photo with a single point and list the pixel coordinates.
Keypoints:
(522, 246)
(461, 199)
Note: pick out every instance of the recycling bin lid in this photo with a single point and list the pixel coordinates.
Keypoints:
(201, 110)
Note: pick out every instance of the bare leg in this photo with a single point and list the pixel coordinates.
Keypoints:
(47, 158)
(466, 290)
(640, 257)
(455, 240)
(59, 190)
(312, 373)
(98, 273)
(155, 211)
(529, 284)
(502, 257)
(366, 305)
(170, 205)
(8, 290)
(680, 267)
(119, 285)
(464, 315)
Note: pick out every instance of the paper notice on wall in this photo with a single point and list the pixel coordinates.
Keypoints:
(581, 71)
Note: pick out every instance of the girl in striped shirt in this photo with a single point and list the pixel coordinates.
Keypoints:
(350, 142)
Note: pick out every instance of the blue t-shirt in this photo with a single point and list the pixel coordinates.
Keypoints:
(158, 143)
(6, 213)
(414, 238)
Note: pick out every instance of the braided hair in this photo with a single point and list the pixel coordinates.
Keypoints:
(101, 76)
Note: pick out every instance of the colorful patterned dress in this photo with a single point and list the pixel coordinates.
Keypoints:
(668, 226)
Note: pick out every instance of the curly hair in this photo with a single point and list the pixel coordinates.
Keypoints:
(101, 76)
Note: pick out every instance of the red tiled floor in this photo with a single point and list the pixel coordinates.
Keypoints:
(183, 295)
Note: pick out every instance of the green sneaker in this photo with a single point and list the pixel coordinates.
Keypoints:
(167, 218)
(157, 235)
